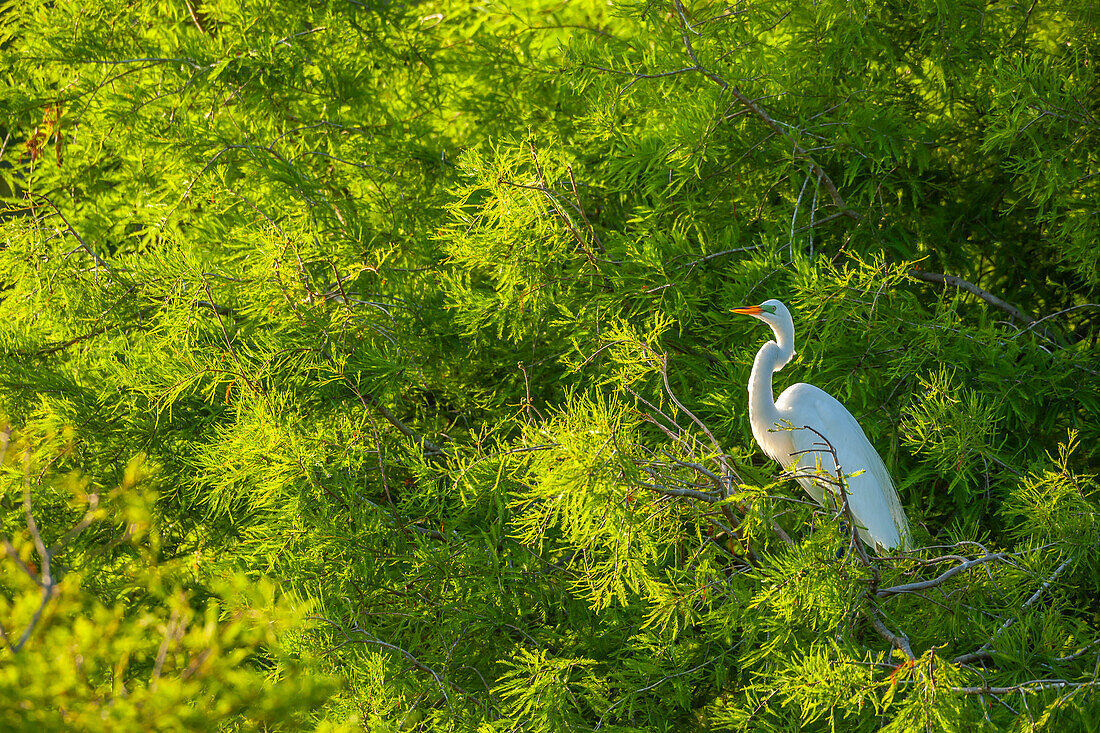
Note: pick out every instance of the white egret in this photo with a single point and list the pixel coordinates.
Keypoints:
(780, 429)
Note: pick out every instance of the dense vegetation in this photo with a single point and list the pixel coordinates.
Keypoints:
(368, 365)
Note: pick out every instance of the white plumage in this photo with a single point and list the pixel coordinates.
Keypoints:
(779, 429)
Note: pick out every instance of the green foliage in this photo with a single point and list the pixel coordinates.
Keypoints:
(369, 365)
(161, 653)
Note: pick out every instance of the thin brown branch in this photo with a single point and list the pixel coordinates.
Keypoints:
(700, 468)
(366, 638)
(47, 595)
(10, 549)
(162, 652)
(6, 639)
(83, 524)
(195, 18)
(762, 114)
(32, 527)
(430, 447)
(723, 253)
(584, 215)
(688, 493)
(727, 470)
(721, 482)
(855, 541)
(242, 372)
(65, 344)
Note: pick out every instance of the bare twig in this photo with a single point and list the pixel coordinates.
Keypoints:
(45, 578)
(689, 493)
(366, 638)
(654, 685)
(720, 456)
(83, 524)
(723, 253)
(14, 555)
(842, 487)
(430, 448)
(242, 372)
(1035, 323)
(170, 632)
(721, 482)
(195, 17)
(584, 215)
(941, 579)
(1031, 686)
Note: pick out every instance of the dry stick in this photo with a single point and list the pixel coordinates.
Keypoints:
(195, 18)
(1059, 313)
(162, 652)
(416, 663)
(727, 470)
(721, 457)
(688, 493)
(698, 467)
(899, 641)
(714, 255)
(14, 555)
(580, 208)
(83, 524)
(763, 116)
(1031, 686)
(46, 580)
(552, 198)
(228, 343)
(340, 285)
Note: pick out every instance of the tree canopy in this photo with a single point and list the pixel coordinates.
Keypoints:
(369, 365)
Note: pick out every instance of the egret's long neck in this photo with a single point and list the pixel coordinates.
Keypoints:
(772, 356)
(762, 412)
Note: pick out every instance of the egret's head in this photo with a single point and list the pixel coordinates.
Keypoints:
(776, 315)
(771, 312)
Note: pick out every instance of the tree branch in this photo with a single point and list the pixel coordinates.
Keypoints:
(1031, 686)
(958, 282)
(939, 580)
(100, 263)
(899, 641)
(762, 114)
(983, 652)
(431, 449)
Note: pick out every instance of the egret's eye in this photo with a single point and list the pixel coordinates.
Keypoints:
(768, 309)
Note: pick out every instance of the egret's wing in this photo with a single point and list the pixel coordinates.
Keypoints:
(871, 494)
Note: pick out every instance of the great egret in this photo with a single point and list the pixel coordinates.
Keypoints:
(780, 429)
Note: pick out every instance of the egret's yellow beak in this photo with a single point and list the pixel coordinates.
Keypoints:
(747, 310)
